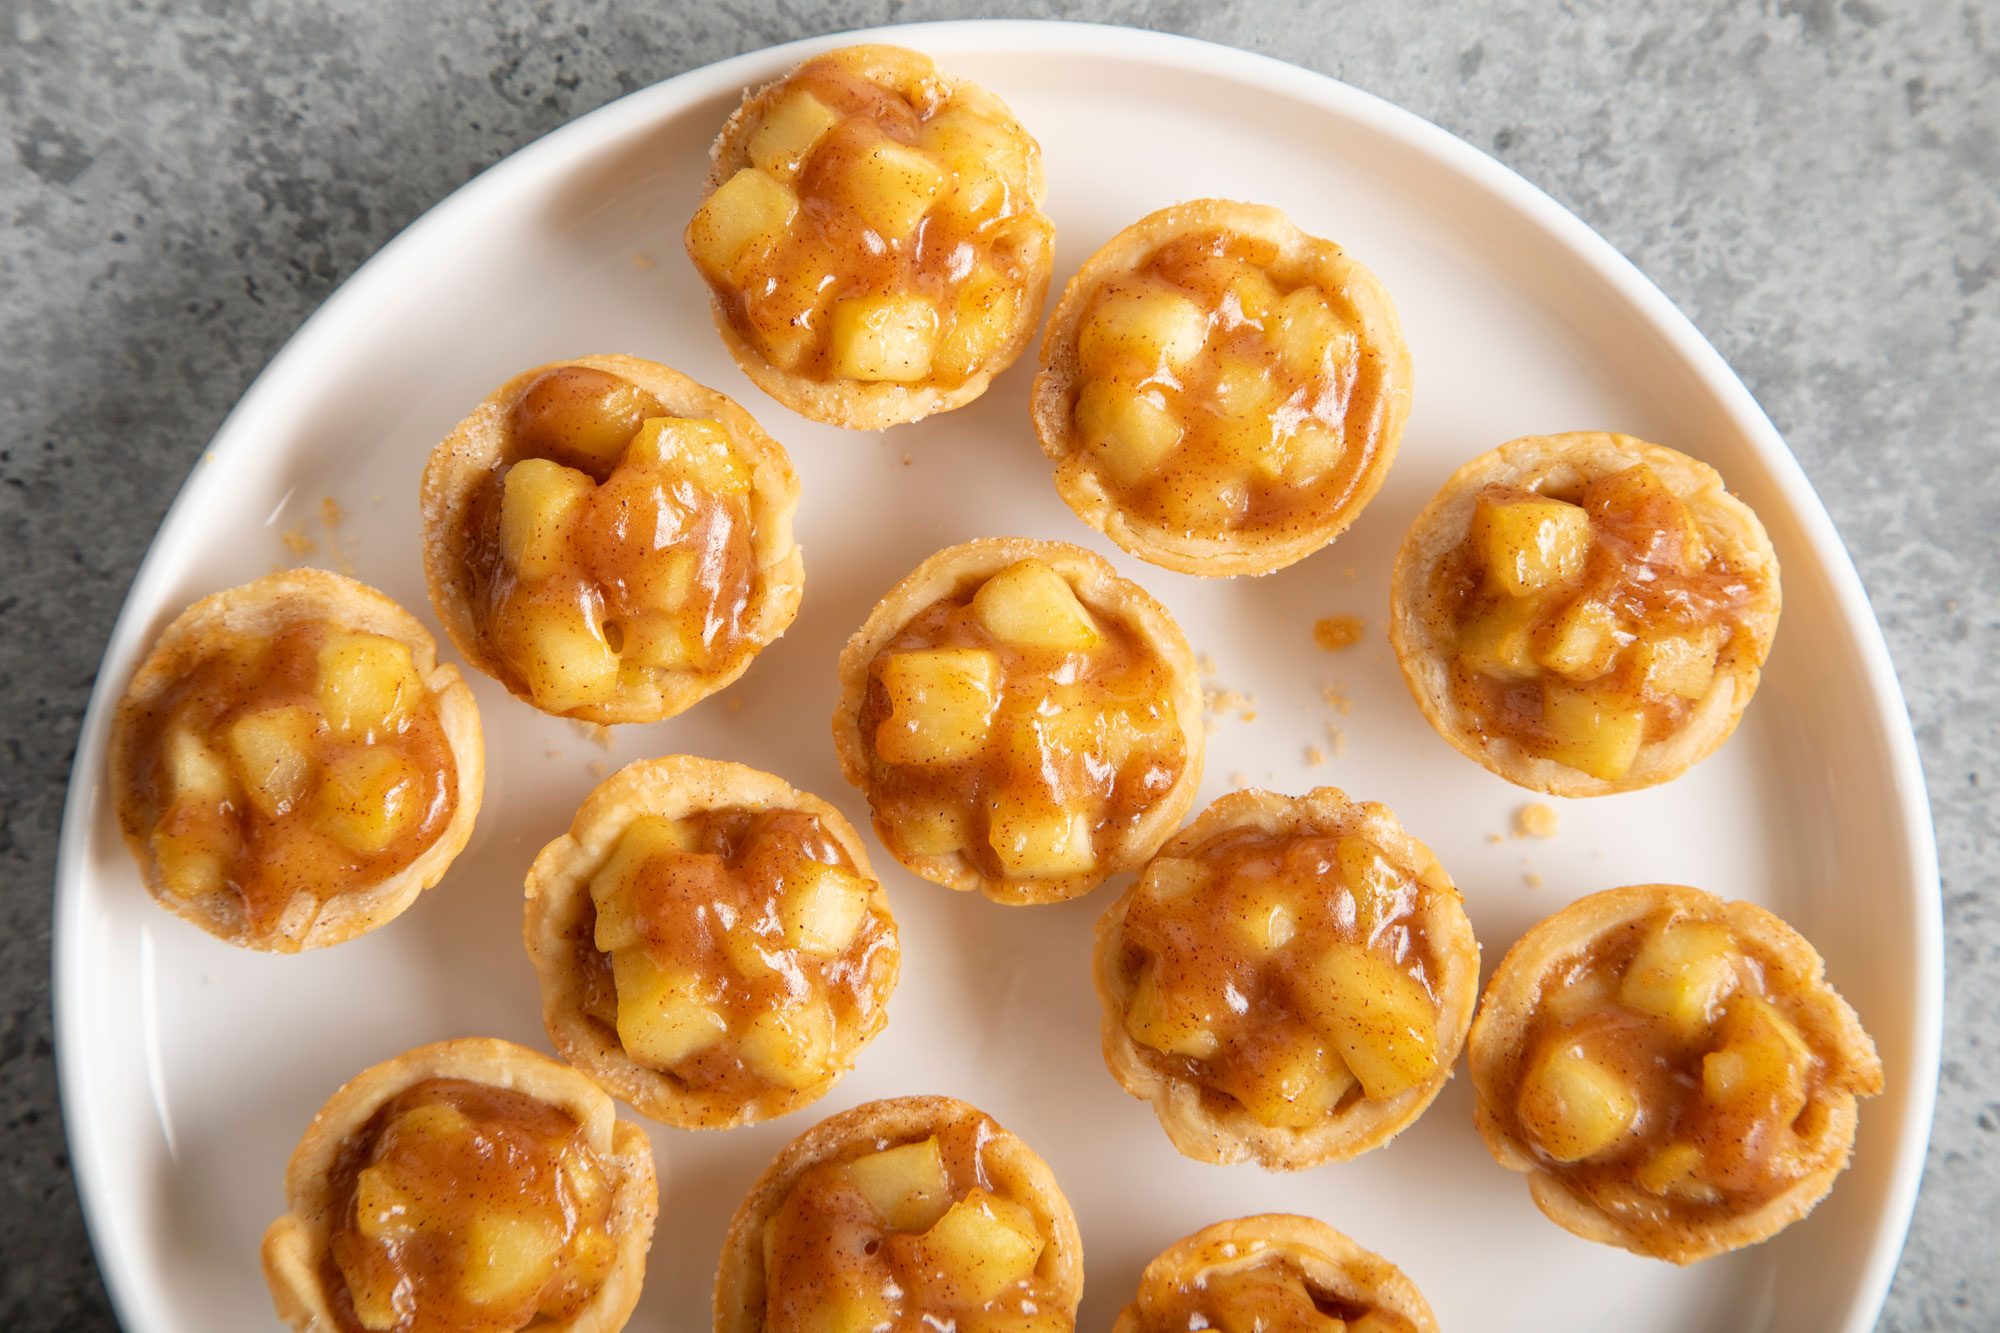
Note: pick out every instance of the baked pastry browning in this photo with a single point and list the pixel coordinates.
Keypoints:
(712, 945)
(1672, 1072)
(874, 239)
(292, 765)
(1289, 981)
(610, 540)
(1584, 613)
(1221, 393)
(469, 1186)
(912, 1213)
(1274, 1274)
(1023, 721)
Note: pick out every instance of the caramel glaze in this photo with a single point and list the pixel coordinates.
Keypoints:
(1346, 398)
(824, 1239)
(731, 883)
(522, 1157)
(1749, 1156)
(272, 859)
(1250, 1003)
(848, 257)
(1120, 670)
(1640, 567)
(634, 514)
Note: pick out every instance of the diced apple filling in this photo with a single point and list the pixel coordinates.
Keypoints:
(933, 828)
(663, 1017)
(1156, 1020)
(823, 909)
(1311, 338)
(889, 338)
(941, 703)
(581, 416)
(1029, 605)
(1263, 919)
(1582, 642)
(890, 187)
(691, 447)
(1035, 839)
(1675, 1172)
(737, 224)
(1592, 730)
(1294, 1087)
(193, 847)
(1573, 1105)
(194, 771)
(367, 683)
(1169, 878)
(1639, 498)
(1528, 544)
(1681, 665)
(562, 654)
(1130, 431)
(508, 1260)
(273, 749)
(369, 798)
(791, 1047)
(789, 132)
(1136, 331)
(1380, 1019)
(907, 1186)
(1682, 974)
(538, 501)
(984, 315)
(983, 1244)
(1762, 1060)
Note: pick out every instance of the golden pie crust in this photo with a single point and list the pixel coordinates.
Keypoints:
(1374, 422)
(560, 912)
(1218, 1129)
(739, 1280)
(264, 608)
(1098, 586)
(295, 1247)
(1792, 968)
(874, 405)
(1330, 1264)
(1421, 631)
(467, 459)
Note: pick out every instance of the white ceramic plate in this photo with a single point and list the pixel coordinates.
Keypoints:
(189, 1067)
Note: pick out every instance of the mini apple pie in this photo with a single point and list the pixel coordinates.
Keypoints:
(1584, 613)
(711, 943)
(912, 1213)
(1023, 721)
(874, 239)
(1672, 1072)
(1274, 1274)
(292, 765)
(1221, 392)
(1289, 981)
(468, 1186)
(610, 540)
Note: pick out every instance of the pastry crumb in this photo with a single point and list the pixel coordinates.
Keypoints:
(1206, 664)
(595, 732)
(1496, 838)
(643, 261)
(1336, 698)
(734, 705)
(1338, 738)
(1531, 879)
(1239, 779)
(331, 516)
(1315, 756)
(297, 541)
(597, 768)
(330, 512)
(1334, 633)
(1535, 820)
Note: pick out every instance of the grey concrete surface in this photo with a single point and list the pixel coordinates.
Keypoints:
(1814, 181)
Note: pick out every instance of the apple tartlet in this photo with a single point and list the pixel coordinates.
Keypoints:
(469, 1186)
(610, 540)
(1023, 721)
(873, 237)
(917, 1212)
(1288, 982)
(1274, 1274)
(711, 943)
(1586, 613)
(1671, 1071)
(292, 765)
(1221, 393)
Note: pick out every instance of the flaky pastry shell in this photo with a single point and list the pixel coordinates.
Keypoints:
(1351, 287)
(1222, 1131)
(464, 461)
(1422, 634)
(871, 1127)
(1330, 1263)
(948, 573)
(859, 404)
(295, 1247)
(264, 608)
(560, 916)
(1791, 967)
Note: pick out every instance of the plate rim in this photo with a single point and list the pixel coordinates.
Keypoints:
(1890, 719)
